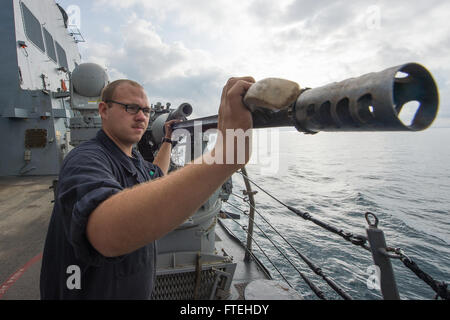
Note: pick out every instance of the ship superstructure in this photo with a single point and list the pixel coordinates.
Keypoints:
(38, 53)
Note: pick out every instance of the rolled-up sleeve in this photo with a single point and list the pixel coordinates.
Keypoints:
(86, 180)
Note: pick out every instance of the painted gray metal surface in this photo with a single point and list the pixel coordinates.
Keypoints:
(88, 81)
(31, 89)
(264, 289)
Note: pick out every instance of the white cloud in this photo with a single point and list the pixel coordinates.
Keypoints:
(185, 50)
(168, 71)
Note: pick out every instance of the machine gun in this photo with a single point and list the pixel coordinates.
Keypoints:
(372, 102)
(151, 140)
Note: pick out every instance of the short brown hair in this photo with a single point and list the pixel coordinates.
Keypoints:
(108, 91)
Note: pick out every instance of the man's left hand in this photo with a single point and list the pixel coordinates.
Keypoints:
(168, 127)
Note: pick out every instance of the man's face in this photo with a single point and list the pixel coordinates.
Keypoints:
(123, 127)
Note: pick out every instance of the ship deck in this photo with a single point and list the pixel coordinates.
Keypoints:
(246, 271)
(25, 209)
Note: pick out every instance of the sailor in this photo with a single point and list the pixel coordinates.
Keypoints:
(111, 205)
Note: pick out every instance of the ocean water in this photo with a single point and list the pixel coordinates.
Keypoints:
(403, 178)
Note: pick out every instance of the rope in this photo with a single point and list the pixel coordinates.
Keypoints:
(313, 287)
(243, 228)
(358, 240)
(314, 268)
(441, 288)
(236, 238)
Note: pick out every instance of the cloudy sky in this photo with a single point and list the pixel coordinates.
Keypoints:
(184, 51)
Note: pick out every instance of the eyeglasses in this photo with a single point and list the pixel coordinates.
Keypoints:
(134, 108)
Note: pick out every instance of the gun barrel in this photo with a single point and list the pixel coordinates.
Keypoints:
(182, 112)
(372, 102)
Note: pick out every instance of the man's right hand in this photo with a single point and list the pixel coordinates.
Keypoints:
(234, 115)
